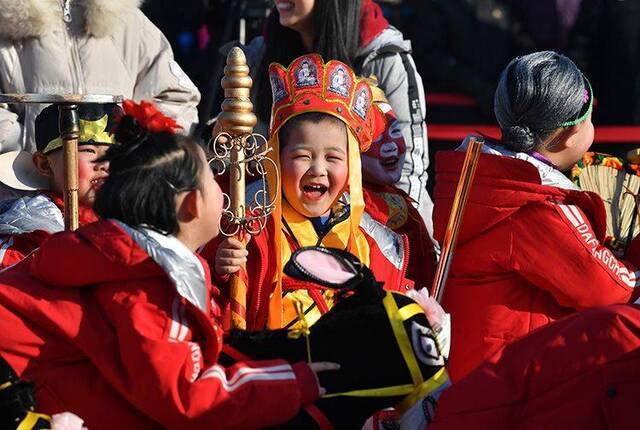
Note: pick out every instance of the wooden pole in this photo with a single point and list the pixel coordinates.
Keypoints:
(237, 119)
(69, 133)
(455, 217)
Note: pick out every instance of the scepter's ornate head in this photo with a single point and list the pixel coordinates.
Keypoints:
(237, 117)
(238, 150)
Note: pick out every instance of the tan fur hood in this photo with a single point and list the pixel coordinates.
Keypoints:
(21, 19)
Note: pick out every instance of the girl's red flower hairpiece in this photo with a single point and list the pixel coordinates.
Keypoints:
(149, 117)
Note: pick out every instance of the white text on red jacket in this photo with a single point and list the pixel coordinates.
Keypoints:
(601, 253)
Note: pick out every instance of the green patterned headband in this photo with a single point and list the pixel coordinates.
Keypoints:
(587, 105)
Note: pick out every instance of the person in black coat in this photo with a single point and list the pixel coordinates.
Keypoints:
(461, 46)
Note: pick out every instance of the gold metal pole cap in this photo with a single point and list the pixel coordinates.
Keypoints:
(237, 117)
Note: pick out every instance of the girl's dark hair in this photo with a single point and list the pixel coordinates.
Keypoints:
(146, 171)
(312, 117)
(536, 94)
(336, 25)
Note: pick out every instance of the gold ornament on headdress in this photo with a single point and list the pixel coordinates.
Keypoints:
(378, 95)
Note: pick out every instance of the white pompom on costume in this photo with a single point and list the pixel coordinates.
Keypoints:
(67, 421)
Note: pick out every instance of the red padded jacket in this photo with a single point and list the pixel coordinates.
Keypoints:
(107, 333)
(527, 254)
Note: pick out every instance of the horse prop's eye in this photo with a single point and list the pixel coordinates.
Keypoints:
(424, 345)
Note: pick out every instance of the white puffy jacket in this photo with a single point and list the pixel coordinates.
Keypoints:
(85, 46)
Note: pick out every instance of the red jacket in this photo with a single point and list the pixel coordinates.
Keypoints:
(15, 246)
(527, 254)
(372, 22)
(394, 208)
(582, 372)
(110, 338)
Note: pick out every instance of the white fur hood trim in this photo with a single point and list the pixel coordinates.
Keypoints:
(21, 19)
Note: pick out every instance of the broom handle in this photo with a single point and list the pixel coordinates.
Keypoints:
(69, 133)
(455, 218)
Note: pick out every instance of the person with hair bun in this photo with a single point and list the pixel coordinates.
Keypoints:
(530, 250)
(118, 321)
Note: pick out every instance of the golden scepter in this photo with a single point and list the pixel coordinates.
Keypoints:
(69, 127)
(243, 153)
(455, 217)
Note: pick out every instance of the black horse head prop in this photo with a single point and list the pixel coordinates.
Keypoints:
(17, 402)
(388, 353)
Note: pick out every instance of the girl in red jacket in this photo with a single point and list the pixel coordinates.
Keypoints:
(530, 249)
(117, 321)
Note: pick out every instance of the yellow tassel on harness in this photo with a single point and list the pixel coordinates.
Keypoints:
(31, 420)
(303, 328)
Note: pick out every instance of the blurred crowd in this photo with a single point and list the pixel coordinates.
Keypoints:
(459, 46)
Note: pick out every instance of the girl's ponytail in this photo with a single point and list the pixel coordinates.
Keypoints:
(148, 166)
(519, 139)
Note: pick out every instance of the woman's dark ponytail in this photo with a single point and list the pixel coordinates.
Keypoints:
(337, 27)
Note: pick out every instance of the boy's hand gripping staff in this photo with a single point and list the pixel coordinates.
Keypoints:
(455, 217)
(244, 153)
(69, 133)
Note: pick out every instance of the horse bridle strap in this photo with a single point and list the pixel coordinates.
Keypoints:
(31, 420)
(420, 387)
(397, 319)
(440, 378)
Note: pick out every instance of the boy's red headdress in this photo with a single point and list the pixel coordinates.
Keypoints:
(310, 85)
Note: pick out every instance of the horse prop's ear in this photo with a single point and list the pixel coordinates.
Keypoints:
(328, 267)
(334, 268)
